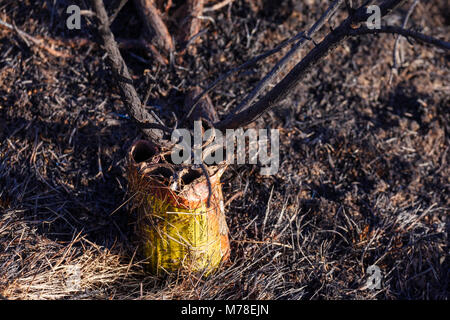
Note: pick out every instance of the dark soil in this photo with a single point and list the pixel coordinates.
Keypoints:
(364, 173)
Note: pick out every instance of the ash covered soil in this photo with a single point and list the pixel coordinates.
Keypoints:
(364, 159)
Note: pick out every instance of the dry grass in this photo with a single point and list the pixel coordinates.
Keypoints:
(364, 175)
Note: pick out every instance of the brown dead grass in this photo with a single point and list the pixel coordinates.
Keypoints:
(364, 176)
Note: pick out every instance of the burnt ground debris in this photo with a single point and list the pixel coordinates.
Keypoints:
(363, 179)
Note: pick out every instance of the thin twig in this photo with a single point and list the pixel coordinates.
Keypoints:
(38, 42)
(208, 182)
(290, 81)
(292, 53)
(116, 12)
(349, 6)
(397, 40)
(143, 44)
(420, 37)
(218, 6)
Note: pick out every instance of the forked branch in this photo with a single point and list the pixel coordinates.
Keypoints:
(243, 116)
(292, 53)
(145, 121)
(290, 81)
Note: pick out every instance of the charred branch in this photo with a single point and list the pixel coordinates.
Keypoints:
(154, 24)
(321, 50)
(145, 121)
